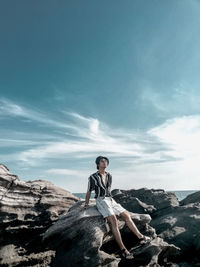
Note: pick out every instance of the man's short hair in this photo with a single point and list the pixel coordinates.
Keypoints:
(98, 160)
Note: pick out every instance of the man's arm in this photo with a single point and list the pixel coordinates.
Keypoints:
(87, 198)
(89, 190)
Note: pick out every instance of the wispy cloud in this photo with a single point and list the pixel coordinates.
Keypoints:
(160, 149)
(69, 172)
(11, 109)
(181, 134)
(172, 103)
(94, 137)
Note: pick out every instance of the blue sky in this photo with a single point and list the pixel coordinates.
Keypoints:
(81, 79)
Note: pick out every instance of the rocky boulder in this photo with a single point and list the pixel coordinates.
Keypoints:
(44, 225)
(181, 227)
(192, 198)
(27, 209)
(144, 200)
(84, 238)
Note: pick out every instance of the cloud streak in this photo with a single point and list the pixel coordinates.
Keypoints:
(162, 148)
(95, 137)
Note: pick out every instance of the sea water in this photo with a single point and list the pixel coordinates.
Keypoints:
(181, 194)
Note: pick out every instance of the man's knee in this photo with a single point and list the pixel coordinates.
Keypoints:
(112, 219)
(125, 215)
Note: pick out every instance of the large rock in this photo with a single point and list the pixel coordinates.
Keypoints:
(44, 225)
(181, 227)
(27, 209)
(174, 223)
(192, 198)
(83, 238)
(144, 200)
(13, 255)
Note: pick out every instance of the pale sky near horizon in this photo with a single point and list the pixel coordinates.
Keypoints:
(79, 79)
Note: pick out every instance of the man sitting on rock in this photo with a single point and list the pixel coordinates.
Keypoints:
(101, 181)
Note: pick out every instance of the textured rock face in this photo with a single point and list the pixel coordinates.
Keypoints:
(192, 198)
(12, 255)
(151, 201)
(181, 227)
(45, 226)
(82, 234)
(176, 223)
(26, 210)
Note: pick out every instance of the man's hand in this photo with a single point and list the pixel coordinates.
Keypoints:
(85, 207)
(88, 194)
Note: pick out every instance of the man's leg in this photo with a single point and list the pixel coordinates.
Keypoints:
(131, 225)
(115, 230)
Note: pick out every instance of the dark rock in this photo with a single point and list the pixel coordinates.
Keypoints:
(181, 227)
(151, 201)
(178, 225)
(11, 255)
(44, 225)
(84, 234)
(192, 198)
(27, 209)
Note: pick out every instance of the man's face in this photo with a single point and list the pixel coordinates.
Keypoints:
(103, 163)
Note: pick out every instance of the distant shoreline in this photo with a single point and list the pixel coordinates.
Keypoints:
(181, 194)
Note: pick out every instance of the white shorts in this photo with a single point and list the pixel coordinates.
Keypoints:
(108, 206)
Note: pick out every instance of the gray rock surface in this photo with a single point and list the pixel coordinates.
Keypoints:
(151, 201)
(181, 227)
(83, 234)
(192, 198)
(27, 209)
(44, 225)
(175, 222)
